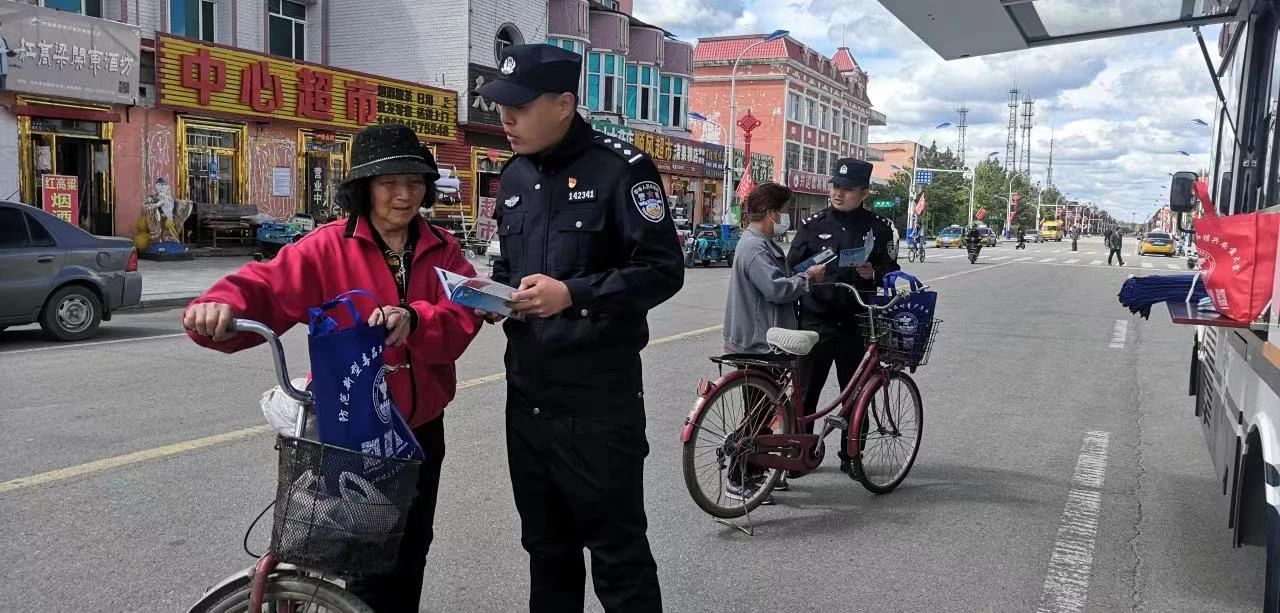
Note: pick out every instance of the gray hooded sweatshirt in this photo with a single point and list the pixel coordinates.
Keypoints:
(762, 294)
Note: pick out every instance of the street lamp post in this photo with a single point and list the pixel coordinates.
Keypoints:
(911, 187)
(733, 115)
(1009, 221)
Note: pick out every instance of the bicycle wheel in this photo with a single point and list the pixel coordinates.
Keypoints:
(715, 456)
(293, 593)
(889, 436)
(911, 254)
(922, 255)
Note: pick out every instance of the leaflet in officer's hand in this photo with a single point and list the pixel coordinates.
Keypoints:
(484, 294)
(853, 257)
(826, 256)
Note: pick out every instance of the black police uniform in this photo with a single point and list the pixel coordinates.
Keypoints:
(590, 212)
(830, 311)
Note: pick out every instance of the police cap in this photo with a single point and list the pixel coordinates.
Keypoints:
(528, 71)
(852, 173)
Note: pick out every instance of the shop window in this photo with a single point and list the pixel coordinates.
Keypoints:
(70, 148)
(288, 28)
(604, 82)
(193, 18)
(672, 108)
(508, 35)
(213, 155)
(642, 92)
(324, 165)
(793, 156)
(91, 8)
(578, 47)
(807, 160)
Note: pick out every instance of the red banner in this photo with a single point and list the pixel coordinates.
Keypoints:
(981, 214)
(60, 196)
(920, 205)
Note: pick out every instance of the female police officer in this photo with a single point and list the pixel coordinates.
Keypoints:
(585, 235)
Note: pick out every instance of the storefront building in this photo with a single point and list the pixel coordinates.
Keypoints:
(235, 127)
(68, 87)
(811, 193)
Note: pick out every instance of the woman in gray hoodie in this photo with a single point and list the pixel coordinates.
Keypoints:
(762, 291)
(762, 295)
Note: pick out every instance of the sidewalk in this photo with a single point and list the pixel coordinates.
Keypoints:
(174, 284)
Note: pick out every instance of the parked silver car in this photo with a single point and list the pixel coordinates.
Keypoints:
(57, 275)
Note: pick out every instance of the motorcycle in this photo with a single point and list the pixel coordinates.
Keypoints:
(974, 247)
(1022, 243)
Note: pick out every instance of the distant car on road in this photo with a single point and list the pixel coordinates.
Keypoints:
(1033, 236)
(1160, 243)
(950, 237)
(57, 275)
(989, 238)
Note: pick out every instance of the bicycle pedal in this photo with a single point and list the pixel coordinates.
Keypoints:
(837, 422)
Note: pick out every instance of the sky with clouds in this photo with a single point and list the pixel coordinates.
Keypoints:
(1120, 109)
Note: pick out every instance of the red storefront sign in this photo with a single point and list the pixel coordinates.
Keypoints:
(808, 182)
(60, 196)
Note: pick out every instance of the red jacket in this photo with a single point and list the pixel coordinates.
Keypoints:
(329, 261)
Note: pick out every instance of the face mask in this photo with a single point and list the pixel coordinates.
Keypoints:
(783, 224)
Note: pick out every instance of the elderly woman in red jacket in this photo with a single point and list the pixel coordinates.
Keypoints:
(386, 248)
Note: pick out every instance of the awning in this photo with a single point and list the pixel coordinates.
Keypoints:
(965, 28)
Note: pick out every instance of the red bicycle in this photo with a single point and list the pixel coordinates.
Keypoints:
(748, 426)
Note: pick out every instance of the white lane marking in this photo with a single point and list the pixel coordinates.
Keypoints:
(967, 272)
(1148, 265)
(92, 343)
(951, 257)
(1119, 333)
(1096, 263)
(1072, 261)
(1047, 260)
(1003, 257)
(1023, 259)
(1066, 584)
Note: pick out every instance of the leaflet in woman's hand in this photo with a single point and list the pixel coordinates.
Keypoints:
(484, 294)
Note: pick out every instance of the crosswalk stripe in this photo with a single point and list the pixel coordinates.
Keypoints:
(1003, 257)
(1022, 259)
(1047, 260)
(1095, 263)
(1173, 266)
(1072, 261)
(1148, 265)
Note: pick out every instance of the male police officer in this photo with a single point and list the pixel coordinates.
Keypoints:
(585, 234)
(830, 311)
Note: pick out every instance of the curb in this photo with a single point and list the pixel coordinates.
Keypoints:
(168, 300)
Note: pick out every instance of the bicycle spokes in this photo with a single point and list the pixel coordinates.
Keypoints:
(889, 435)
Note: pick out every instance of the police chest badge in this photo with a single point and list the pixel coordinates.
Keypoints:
(512, 201)
(648, 198)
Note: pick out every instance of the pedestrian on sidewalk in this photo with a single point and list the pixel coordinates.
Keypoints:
(586, 236)
(387, 249)
(762, 295)
(1114, 243)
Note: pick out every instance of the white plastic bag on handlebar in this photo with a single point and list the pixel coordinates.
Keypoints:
(281, 410)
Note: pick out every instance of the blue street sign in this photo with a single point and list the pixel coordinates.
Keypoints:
(924, 177)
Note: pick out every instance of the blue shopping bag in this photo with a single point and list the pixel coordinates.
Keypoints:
(911, 320)
(354, 408)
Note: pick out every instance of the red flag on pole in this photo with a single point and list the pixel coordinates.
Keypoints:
(981, 214)
(920, 205)
(745, 187)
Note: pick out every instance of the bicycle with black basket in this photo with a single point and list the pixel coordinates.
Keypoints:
(330, 523)
(748, 426)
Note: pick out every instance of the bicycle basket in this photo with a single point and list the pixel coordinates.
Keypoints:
(339, 511)
(902, 343)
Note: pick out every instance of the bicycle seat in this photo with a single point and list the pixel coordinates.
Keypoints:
(794, 342)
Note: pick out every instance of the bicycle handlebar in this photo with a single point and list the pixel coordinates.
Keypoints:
(277, 354)
(898, 295)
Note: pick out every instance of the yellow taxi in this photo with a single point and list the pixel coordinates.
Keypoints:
(951, 236)
(1157, 243)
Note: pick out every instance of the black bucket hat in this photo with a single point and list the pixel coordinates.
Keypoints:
(390, 150)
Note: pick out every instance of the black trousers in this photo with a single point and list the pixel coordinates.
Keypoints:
(400, 591)
(842, 346)
(578, 480)
(1115, 253)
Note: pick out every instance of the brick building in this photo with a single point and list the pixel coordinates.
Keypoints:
(812, 109)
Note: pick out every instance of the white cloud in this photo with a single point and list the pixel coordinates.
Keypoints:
(1120, 109)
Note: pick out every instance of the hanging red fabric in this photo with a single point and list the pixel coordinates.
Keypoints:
(1237, 258)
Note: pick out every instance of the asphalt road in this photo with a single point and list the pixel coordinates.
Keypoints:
(1031, 362)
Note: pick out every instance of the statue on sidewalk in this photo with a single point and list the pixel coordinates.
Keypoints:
(165, 217)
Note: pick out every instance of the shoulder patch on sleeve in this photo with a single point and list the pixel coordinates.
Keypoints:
(621, 148)
(647, 196)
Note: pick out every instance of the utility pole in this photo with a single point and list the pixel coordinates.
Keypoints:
(1011, 144)
(963, 112)
(1048, 178)
(1028, 113)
